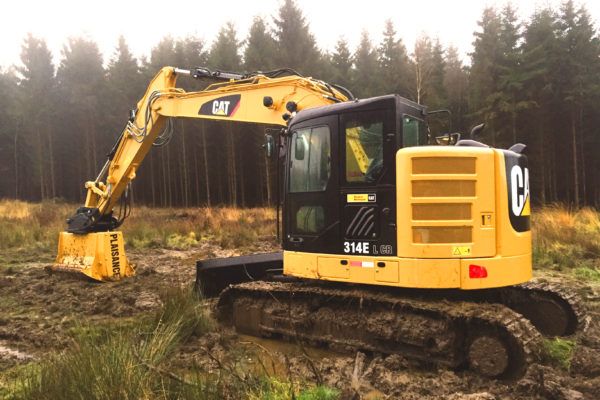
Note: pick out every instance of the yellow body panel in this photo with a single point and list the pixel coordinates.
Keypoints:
(449, 273)
(450, 216)
(99, 255)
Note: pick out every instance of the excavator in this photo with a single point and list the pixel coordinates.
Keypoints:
(394, 240)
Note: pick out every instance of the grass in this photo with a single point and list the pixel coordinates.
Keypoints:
(567, 240)
(34, 227)
(120, 362)
(559, 352)
(131, 361)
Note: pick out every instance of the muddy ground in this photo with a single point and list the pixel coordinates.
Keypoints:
(39, 311)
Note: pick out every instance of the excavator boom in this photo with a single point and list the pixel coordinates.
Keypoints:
(91, 245)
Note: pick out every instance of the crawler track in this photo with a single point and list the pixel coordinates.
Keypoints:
(487, 338)
(554, 308)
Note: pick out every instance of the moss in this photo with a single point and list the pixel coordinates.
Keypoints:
(559, 352)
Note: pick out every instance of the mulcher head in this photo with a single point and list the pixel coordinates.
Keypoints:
(99, 255)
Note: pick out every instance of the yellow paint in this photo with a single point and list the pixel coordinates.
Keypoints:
(526, 208)
(446, 273)
(99, 255)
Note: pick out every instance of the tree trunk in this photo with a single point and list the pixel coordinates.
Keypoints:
(184, 172)
(242, 179)
(575, 173)
(232, 168)
(205, 154)
(196, 178)
(40, 160)
(543, 168)
(51, 158)
(152, 180)
(16, 160)
(582, 152)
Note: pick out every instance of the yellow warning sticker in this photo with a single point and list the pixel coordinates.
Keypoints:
(461, 251)
(361, 198)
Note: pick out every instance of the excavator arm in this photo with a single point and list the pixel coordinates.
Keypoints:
(91, 245)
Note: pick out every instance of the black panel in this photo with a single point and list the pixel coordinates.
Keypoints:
(214, 275)
(517, 184)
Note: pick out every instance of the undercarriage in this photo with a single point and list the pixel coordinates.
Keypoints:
(493, 332)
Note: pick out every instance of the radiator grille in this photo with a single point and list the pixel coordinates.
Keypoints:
(445, 192)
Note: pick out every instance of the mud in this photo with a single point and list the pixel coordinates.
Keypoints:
(39, 312)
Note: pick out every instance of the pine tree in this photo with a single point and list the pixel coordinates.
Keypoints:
(37, 90)
(365, 77)
(81, 78)
(580, 58)
(9, 135)
(260, 52)
(486, 60)
(296, 45)
(394, 64)
(124, 85)
(540, 60)
(456, 88)
(341, 64)
(224, 53)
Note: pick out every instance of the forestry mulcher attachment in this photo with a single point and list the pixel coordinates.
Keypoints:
(394, 240)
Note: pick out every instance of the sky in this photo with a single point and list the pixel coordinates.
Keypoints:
(145, 22)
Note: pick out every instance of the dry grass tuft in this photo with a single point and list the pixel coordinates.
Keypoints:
(564, 238)
(26, 226)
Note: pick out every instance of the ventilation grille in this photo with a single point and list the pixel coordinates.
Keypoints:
(443, 192)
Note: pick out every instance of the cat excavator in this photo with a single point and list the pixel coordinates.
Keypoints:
(394, 240)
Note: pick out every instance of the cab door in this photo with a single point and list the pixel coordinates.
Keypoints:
(367, 181)
(311, 220)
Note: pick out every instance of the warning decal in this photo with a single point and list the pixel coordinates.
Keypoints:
(461, 251)
(361, 198)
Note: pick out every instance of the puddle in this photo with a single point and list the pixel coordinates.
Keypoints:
(268, 349)
(6, 352)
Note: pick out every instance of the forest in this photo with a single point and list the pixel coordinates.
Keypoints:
(535, 81)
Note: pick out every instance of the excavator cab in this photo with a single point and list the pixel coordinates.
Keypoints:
(340, 175)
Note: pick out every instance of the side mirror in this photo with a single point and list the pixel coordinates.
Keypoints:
(299, 148)
(269, 145)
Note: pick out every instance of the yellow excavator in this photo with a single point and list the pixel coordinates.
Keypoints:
(394, 240)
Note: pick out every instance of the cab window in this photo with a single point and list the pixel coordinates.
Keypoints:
(310, 160)
(364, 147)
(414, 132)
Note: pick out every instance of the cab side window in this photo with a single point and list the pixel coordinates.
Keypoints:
(311, 160)
(414, 132)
